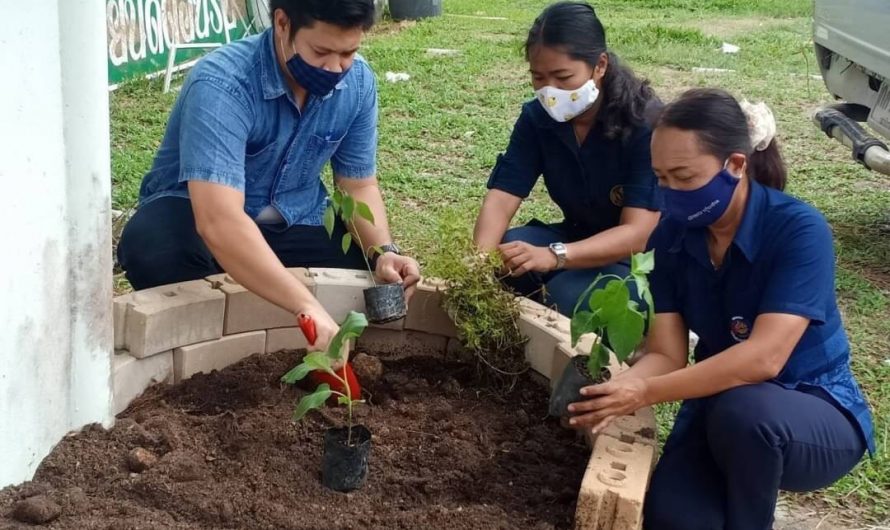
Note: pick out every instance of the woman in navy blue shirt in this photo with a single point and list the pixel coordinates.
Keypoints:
(770, 402)
(586, 132)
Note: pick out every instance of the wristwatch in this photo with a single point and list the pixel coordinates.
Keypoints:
(561, 252)
(389, 247)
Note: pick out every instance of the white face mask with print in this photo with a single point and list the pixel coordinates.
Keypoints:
(565, 105)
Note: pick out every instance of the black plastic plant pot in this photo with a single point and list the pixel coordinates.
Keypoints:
(568, 389)
(414, 9)
(385, 303)
(345, 467)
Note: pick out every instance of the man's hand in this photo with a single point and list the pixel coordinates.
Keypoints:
(520, 257)
(393, 268)
(325, 329)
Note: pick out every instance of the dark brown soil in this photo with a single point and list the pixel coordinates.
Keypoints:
(446, 454)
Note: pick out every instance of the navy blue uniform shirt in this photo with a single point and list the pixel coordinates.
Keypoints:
(780, 261)
(590, 183)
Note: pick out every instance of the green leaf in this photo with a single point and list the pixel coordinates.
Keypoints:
(584, 322)
(642, 263)
(351, 328)
(297, 373)
(337, 199)
(584, 296)
(611, 301)
(329, 220)
(364, 211)
(312, 401)
(347, 241)
(342, 400)
(318, 361)
(625, 332)
(348, 207)
(599, 358)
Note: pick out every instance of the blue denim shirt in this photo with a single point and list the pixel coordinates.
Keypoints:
(781, 261)
(236, 123)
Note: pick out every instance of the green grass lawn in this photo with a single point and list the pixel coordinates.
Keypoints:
(441, 132)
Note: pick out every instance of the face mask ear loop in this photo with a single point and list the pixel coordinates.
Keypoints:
(726, 168)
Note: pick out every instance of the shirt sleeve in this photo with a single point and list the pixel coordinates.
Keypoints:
(640, 185)
(802, 278)
(663, 278)
(356, 156)
(214, 126)
(517, 170)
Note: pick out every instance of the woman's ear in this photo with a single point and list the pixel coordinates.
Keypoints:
(737, 164)
(602, 66)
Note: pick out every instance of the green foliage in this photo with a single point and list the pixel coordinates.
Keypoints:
(351, 328)
(345, 207)
(610, 312)
(485, 314)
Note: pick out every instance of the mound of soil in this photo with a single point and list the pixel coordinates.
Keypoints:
(220, 451)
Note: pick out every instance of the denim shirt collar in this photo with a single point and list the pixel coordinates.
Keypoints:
(273, 80)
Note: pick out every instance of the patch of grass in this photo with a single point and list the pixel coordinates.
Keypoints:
(440, 134)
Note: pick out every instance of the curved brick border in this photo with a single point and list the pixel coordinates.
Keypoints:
(169, 333)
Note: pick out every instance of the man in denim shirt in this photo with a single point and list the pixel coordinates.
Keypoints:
(236, 183)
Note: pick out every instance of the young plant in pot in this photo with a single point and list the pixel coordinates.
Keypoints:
(610, 314)
(346, 450)
(383, 302)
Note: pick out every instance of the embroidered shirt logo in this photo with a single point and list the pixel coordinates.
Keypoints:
(616, 195)
(740, 329)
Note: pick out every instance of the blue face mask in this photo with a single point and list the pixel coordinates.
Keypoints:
(704, 206)
(317, 81)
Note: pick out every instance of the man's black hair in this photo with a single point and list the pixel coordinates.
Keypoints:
(342, 13)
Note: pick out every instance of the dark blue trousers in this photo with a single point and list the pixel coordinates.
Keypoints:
(560, 288)
(728, 457)
(160, 245)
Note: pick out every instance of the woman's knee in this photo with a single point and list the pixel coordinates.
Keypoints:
(740, 417)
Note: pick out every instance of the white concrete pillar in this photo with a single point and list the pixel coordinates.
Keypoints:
(55, 228)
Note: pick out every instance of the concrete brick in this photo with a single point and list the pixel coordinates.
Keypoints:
(216, 354)
(131, 376)
(340, 290)
(633, 429)
(246, 311)
(392, 345)
(544, 334)
(425, 312)
(614, 485)
(285, 339)
(170, 316)
(120, 322)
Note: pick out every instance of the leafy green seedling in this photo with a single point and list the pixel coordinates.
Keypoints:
(352, 328)
(345, 207)
(610, 312)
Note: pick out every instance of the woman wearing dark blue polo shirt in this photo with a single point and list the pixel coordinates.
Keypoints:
(586, 132)
(770, 402)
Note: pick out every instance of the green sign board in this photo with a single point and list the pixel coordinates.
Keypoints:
(141, 32)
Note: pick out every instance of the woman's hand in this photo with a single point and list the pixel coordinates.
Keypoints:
(618, 397)
(520, 257)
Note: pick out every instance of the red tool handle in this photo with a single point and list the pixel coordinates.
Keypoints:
(307, 326)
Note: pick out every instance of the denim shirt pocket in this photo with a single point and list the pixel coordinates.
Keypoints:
(318, 152)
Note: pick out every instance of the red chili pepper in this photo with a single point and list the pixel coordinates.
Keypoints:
(307, 326)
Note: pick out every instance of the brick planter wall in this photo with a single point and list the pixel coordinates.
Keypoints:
(169, 333)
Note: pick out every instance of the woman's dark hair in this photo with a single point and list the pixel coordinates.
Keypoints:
(574, 28)
(343, 13)
(722, 129)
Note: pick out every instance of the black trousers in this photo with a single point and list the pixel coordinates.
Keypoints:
(725, 468)
(160, 245)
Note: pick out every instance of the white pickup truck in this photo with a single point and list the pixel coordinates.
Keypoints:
(852, 40)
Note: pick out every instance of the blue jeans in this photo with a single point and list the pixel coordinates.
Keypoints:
(561, 289)
(724, 463)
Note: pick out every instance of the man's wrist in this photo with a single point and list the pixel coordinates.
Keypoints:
(380, 250)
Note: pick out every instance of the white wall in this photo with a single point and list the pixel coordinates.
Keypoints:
(55, 250)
